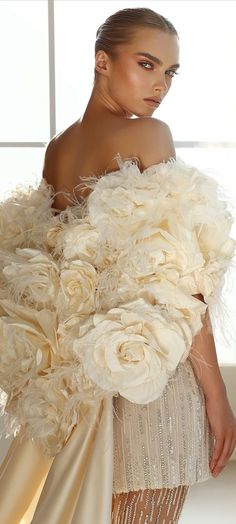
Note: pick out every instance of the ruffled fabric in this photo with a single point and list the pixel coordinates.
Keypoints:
(97, 300)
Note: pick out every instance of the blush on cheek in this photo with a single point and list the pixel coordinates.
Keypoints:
(136, 83)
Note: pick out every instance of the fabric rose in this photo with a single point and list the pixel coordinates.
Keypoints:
(81, 241)
(174, 252)
(132, 350)
(33, 279)
(77, 289)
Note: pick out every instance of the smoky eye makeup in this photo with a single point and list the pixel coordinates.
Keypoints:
(170, 72)
(142, 62)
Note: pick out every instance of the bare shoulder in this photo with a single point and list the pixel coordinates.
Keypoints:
(59, 161)
(154, 141)
(58, 148)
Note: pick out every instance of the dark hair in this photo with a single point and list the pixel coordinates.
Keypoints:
(120, 27)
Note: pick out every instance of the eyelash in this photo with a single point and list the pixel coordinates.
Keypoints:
(170, 71)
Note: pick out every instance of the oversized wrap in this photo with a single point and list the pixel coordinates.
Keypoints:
(98, 299)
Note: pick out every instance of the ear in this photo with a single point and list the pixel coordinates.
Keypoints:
(102, 62)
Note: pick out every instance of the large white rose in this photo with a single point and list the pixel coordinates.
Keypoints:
(77, 289)
(33, 278)
(132, 350)
(159, 251)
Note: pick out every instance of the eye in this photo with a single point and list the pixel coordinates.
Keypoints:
(148, 63)
(171, 73)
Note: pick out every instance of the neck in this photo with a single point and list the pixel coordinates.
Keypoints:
(101, 104)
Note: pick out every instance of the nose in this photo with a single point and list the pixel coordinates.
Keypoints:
(161, 83)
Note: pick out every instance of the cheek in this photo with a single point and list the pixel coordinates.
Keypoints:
(136, 76)
(131, 77)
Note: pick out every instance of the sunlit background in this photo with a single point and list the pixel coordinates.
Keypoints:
(47, 63)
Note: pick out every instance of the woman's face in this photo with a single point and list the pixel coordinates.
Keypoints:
(133, 77)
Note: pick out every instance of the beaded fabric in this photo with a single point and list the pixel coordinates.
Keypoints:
(165, 443)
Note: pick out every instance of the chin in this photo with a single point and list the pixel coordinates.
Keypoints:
(144, 113)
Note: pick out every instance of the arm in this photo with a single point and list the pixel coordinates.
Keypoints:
(219, 412)
(204, 359)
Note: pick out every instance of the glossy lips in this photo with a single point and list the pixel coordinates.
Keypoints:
(153, 101)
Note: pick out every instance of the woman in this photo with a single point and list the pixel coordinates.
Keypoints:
(163, 447)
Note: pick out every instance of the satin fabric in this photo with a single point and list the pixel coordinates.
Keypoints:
(74, 487)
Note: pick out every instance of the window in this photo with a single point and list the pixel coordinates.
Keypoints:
(47, 74)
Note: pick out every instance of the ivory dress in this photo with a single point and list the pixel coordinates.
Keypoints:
(119, 445)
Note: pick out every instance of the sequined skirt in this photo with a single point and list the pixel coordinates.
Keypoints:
(165, 443)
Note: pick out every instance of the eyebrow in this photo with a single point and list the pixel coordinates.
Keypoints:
(155, 59)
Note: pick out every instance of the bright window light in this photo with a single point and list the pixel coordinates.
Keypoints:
(24, 100)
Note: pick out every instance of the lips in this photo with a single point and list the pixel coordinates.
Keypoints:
(155, 100)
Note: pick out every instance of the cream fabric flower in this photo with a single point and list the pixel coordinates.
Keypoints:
(122, 203)
(77, 288)
(81, 241)
(33, 278)
(162, 252)
(132, 350)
